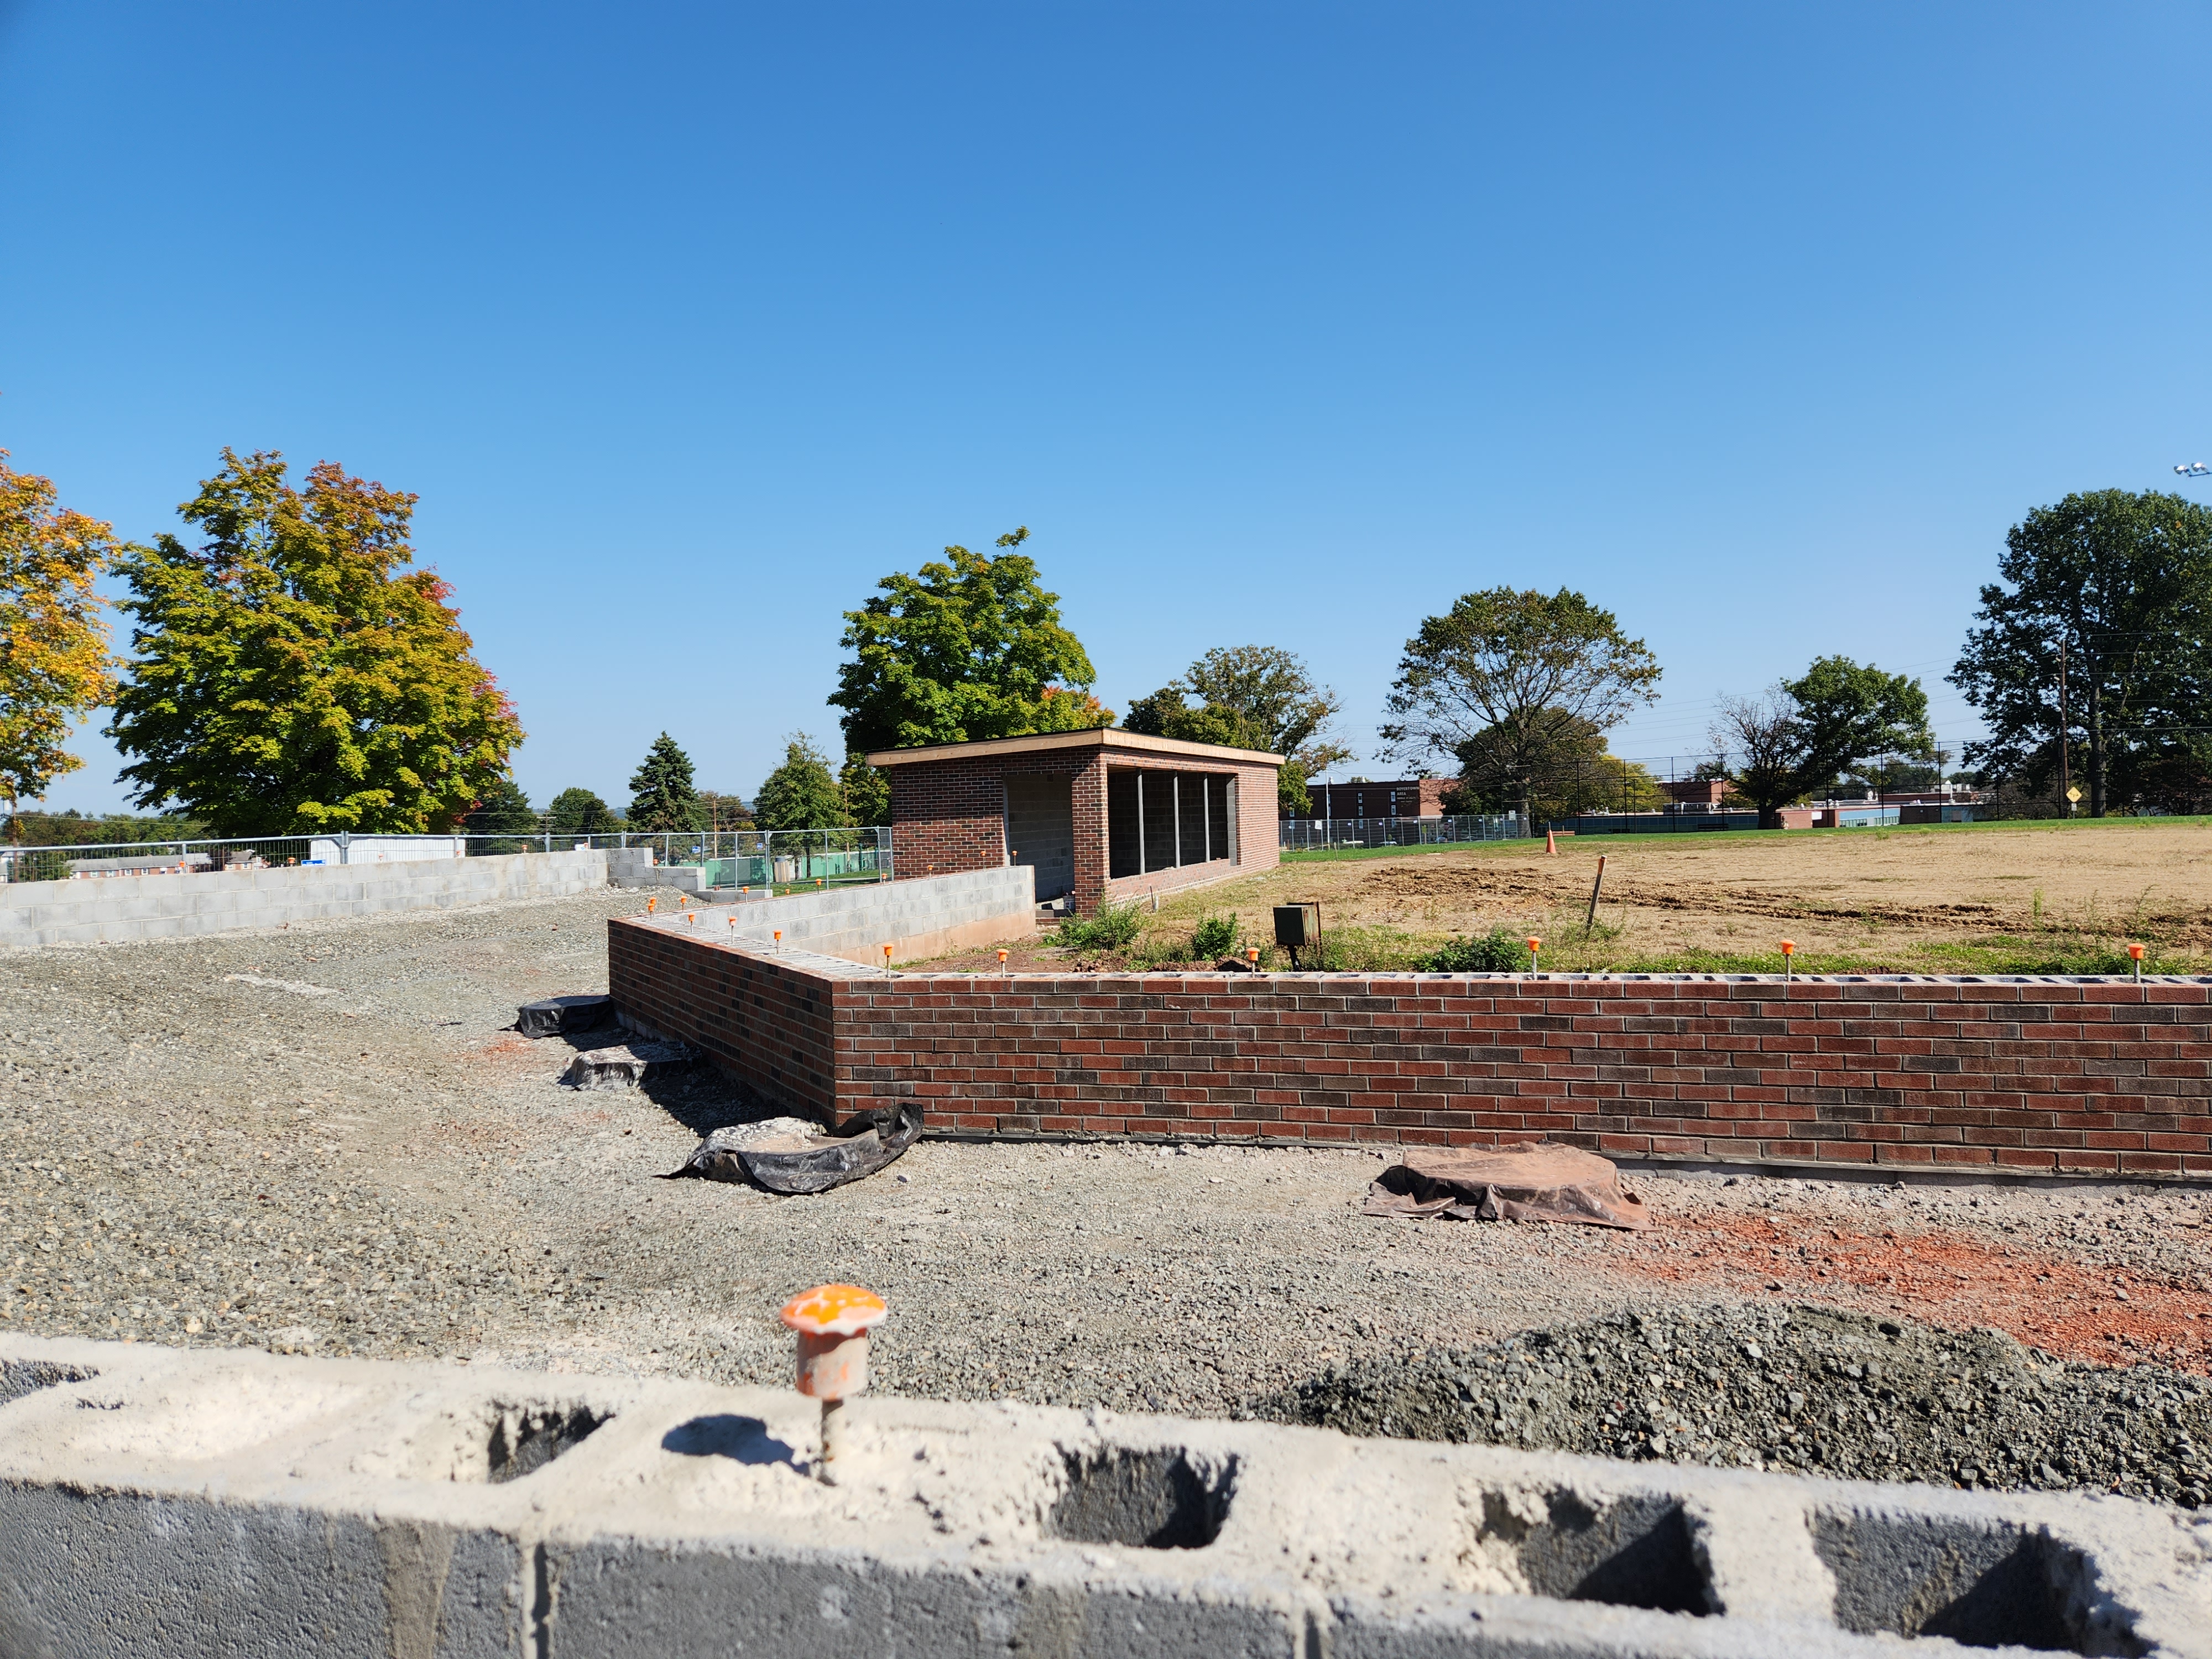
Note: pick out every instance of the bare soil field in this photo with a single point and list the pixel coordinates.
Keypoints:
(2000, 897)
(325, 1139)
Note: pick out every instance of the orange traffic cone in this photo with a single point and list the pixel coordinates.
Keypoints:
(1550, 844)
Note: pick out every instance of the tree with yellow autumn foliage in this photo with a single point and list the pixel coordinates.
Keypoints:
(54, 659)
(291, 674)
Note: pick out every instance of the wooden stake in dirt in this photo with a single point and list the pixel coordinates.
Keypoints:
(1596, 887)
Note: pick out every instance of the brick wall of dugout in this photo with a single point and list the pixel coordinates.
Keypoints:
(2097, 1076)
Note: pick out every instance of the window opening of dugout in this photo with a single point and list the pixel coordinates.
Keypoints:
(1163, 820)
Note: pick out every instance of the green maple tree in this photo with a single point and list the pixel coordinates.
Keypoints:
(292, 672)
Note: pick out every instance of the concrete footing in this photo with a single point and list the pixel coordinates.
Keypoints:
(627, 1065)
(187, 1503)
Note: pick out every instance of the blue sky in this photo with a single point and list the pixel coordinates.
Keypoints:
(1278, 324)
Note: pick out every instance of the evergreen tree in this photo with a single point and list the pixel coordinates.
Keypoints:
(802, 794)
(661, 794)
(504, 810)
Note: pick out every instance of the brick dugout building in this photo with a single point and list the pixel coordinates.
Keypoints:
(1099, 815)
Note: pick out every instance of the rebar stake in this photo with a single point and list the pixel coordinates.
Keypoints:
(832, 1322)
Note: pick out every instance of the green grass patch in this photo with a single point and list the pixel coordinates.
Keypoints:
(1736, 838)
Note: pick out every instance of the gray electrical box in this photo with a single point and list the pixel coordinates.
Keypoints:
(1290, 926)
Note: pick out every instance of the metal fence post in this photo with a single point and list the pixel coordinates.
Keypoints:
(345, 846)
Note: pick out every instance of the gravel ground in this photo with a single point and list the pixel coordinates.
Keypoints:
(1812, 1389)
(322, 1139)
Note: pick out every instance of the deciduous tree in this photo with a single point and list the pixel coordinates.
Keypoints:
(2122, 584)
(54, 660)
(580, 812)
(662, 798)
(1275, 693)
(291, 673)
(1804, 733)
(971, 647)
(867, 790)
(1515, 669)
(1567, 770)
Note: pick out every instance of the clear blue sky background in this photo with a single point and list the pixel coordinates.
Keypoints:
(1275, 324)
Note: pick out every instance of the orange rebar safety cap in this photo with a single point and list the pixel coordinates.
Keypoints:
(834, 1311)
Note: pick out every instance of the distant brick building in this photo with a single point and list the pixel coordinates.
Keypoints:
(1408, 798)
(1696, 791)
(1100, 815)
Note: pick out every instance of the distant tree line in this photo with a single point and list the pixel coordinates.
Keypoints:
(290, 670)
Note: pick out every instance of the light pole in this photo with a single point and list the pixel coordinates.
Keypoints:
(2194, 470)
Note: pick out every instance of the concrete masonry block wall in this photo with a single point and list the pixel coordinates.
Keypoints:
(119, 908)
(917, 918)
(187, 1503)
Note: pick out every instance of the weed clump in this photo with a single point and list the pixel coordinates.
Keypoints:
(1496, 953)
(1214, 936)
(1114, 928)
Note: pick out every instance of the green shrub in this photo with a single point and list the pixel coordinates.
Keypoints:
(1213, 938)
(1496, 952)
(1114, 928)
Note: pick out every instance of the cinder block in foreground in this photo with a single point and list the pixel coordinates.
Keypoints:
(186, 1503)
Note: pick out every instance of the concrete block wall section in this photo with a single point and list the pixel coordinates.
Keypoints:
(2028, 1075)
(118, 908)
(636, 867)
(182, 1503)
(925, 917)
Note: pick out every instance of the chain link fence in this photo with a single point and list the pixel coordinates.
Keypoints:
(730, 858)
(1319, 835)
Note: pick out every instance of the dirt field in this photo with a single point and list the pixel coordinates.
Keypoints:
(324, 1138)
(1989, 898)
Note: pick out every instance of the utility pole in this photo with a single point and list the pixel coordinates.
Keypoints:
(2065, 779)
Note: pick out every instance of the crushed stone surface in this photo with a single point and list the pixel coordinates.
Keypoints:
(1811, 1389)
(193, 1149)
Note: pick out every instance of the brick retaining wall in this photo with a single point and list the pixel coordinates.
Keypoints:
(2029, 1074)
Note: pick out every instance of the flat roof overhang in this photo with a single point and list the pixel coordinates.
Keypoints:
(1115, 741)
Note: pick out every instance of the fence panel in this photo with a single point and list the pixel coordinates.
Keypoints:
(734, 857)
(1321, 835)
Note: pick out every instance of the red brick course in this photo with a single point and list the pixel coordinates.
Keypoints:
(2093, 1076)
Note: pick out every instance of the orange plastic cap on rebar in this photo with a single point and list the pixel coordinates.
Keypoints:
(1788, 947)
(2137, 952)
(834, 1311)
(1534, 944)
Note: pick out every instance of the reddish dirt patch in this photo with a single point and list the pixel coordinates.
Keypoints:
(2105, 1316)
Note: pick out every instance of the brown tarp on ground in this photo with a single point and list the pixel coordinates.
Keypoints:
(1532, 1182)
